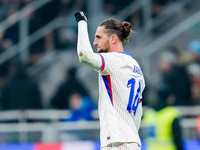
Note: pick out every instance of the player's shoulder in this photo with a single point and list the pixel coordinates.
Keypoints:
(109, 55)
(124, 57)
(116, 54)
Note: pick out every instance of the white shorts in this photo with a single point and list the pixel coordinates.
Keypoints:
(122, 146)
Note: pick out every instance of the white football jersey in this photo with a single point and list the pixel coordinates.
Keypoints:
(121, 84)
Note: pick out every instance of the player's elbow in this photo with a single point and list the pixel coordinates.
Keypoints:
(83, 57)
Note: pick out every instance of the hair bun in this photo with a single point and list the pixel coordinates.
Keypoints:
(126, 30)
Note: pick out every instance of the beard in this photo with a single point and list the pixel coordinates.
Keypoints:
(104, 49)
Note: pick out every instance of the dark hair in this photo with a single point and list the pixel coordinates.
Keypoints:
(121, 29)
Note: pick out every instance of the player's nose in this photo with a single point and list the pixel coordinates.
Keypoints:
(95, 42)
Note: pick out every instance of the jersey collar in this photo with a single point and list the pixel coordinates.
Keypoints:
(125, 53)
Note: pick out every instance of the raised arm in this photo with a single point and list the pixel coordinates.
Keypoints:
(84, 49)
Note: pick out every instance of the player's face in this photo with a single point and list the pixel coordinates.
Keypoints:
(101, 40)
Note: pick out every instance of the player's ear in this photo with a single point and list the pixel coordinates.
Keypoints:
(113, 39)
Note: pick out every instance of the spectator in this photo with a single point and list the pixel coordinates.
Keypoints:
(21, 92)
(81, 107)
(72, 84)
(194, 49)
(194, 72)
(162, 124)
(175, 76)
(196, 92)
(4, 66)
(11, 35)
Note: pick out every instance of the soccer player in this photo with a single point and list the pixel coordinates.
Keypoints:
(121, 82)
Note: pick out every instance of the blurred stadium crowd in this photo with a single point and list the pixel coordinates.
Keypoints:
(179, 70)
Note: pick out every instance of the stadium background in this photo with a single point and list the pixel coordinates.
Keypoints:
(41, 36)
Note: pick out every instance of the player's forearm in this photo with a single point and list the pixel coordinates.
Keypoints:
(84, 49)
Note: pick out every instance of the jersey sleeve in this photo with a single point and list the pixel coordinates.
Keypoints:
(110, 62)
(84, 49)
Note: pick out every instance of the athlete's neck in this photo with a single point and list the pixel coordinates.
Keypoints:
(116, 48)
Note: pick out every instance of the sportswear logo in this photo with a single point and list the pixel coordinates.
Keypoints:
(82, 14)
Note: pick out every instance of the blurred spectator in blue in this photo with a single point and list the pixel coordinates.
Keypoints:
(71, 84)
(175, 75)
(194, 48)
(11, 34)
(21, 91)
(81, 107)
(162, 130)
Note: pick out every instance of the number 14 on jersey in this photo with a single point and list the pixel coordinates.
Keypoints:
(133, 101)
